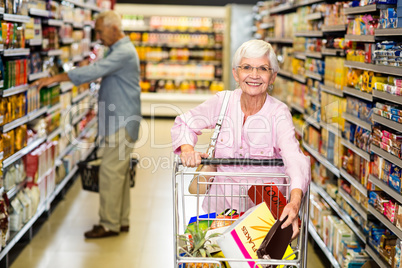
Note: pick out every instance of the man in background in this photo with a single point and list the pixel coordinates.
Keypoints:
(119, 114)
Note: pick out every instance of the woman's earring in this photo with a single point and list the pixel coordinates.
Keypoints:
(270, 87)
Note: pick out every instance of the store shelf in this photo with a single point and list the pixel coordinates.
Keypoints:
(314, 16)
(322, 245)
(282, 8)
(358, 93)
(388, 32)
(334, 28)
(78, 25)
(16, 52)
(67, 41)
(14, 90)
(285, 73)
(315, 102)
(39, 12)
(35, 114)
(354, 204)
(297, 107)
(384, 154)
(358, 122)
(313, 54)
(333, 128)
(385, 221)
(35, 42)
(64, 152)
(22, 152)
(390, 70)
(312, 121)
(387, 122)
(298, 131)
(15, 123)
(267, 25)
(309, 34)
(333, 52)
(341, 213)
(15, 189)
(78, 118)
(387, 96)
(360, 10)
(54, 134)
(331, 90)
(299, 55)
(56, 23)
(54, 108)
(354, 182)
(322, 160)
(54, 52)
(282, 40)
(356, 149)
(385, 187)
(80, 96)
(314, 75)
(360, 38)
(299, 78)
(66, 86)
(11, 243)
(376, 257)
(16, 18)
(36, 76)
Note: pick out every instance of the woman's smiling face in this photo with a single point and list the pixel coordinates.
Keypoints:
(256, 82)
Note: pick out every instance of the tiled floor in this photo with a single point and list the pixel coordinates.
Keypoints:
(60, 241)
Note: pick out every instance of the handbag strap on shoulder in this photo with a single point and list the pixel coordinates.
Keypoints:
(214, 137)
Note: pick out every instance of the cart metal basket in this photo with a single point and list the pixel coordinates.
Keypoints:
(188, 207)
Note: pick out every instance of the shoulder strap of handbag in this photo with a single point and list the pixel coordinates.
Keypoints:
(214, 138)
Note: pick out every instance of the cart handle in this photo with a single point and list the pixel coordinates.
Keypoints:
(241, 161)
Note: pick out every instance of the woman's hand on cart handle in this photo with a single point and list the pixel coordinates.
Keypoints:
(189, 157)
(292, 211)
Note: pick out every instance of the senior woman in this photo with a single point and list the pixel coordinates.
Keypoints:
(255, 125)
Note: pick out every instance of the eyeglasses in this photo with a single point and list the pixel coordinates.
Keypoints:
(247, 69)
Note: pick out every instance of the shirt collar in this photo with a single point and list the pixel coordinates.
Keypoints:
(120, 42)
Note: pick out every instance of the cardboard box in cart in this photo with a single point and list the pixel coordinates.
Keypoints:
(243, 238)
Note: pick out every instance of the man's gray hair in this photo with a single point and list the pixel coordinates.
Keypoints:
(256, 49)
(111, 18)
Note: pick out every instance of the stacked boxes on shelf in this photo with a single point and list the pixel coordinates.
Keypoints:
(358, 118)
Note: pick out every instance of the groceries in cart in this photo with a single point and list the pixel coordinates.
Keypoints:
(254, 234)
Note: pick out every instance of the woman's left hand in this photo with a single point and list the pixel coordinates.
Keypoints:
(292, 211)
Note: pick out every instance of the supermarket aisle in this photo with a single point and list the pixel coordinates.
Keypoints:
(60, 241)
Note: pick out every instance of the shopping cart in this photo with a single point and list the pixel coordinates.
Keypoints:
(188, 207)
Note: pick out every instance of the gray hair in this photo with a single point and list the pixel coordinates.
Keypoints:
(256, 49)
(111, 18)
